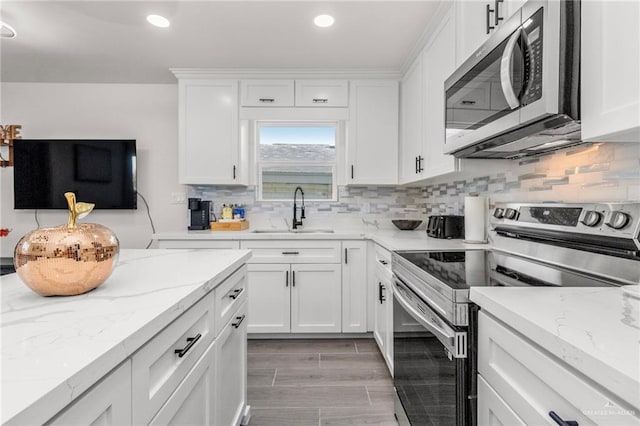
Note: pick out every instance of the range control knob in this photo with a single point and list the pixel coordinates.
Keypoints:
(498, 213)
(591, 218)
(617, 220)
(511, 213)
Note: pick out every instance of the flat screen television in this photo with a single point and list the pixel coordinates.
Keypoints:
(102, 172)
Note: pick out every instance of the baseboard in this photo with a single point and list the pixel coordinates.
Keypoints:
(256, 336)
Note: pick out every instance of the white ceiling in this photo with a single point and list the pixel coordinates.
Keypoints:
(111, 42)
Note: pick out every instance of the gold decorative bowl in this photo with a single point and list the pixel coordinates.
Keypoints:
(66, 260)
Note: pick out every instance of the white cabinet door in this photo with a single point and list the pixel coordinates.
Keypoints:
(315, 298)
(610, 98)
(372, 136)
(383, 312)
(267, 93)
(411, 121)
(209, 143)
(477, 20)
(492, 410)
(439, 60)
(322, 93)
(193, 402)
(269, 298)
(354, 287)
(107, 403)
(231, 370)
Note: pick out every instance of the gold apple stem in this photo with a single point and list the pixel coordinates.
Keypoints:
(71, 201)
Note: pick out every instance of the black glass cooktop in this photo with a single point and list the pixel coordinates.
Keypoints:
(457, 269)
(460, 270)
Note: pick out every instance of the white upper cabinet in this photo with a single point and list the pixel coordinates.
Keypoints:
(411, 120)
(610, 98)
(438, 62)
(322, 93)
(372, 135)
(476, 21)
(209, 145)
(266, 93)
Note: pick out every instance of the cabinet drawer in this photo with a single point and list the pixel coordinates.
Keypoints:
(106, 403)
(204, 244)
(323, 93)
(158, 369)
(533, 383)
(492, 410)
(285, 251)
(229, 295)
(266, 93)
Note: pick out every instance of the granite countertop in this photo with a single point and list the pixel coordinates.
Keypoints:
(594, 330)
(55, 348)
(389, 239)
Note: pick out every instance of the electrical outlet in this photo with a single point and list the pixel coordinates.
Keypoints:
(178, 198)
(366, 207)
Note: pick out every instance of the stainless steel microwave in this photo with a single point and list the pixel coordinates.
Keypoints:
(519, 93)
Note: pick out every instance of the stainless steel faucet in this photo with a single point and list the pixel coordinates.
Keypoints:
(297, 222)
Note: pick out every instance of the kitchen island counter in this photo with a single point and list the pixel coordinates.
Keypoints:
(55, 348)
(596, 331)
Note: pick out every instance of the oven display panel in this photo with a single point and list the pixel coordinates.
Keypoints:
(565, 216)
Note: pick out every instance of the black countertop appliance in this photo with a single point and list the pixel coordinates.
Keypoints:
(448, 227)
(200, 214)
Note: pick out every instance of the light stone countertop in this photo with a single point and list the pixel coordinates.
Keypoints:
(55, 348)
(594, 330)
(389, 239)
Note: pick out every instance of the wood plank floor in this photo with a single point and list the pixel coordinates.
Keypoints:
(318, 382)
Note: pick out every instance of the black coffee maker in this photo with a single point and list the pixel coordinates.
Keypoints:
(199, 213)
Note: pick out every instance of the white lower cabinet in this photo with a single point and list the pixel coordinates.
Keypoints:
(354, 287)
(194, 401)
(316, 298)
(231, 368)
(297, 298)
(382, 289)
(524, 384)
(270, 301)
(192, 372)
(107, 403)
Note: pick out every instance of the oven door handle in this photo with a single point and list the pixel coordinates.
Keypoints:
(454, 341)
(505, 71)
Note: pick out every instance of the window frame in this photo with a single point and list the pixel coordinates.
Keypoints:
(260, 164)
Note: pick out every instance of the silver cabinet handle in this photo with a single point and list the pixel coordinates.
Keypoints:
(505, 72)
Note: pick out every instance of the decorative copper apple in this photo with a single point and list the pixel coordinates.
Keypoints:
(69, 259)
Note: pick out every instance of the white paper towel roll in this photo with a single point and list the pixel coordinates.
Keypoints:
(475, 216)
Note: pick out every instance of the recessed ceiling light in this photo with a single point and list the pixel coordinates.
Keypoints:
(6, 30)
(323, 21)
(158, 21)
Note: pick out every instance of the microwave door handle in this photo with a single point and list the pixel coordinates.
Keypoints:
(529, 69)
(505, 72)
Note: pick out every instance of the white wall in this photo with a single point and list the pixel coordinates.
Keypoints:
(147, 113)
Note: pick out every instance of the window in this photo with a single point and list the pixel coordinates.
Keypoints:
(296, 154)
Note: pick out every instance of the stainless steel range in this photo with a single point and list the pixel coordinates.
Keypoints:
(581, 245)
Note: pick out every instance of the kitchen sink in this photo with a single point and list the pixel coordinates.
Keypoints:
(293, 231)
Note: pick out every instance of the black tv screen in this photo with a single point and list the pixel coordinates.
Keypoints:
(102, 172)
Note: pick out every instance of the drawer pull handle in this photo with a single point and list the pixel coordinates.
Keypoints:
(384, 262)
(266, 99)
(190, 342)
(320, 100)
(237, 324)
(290, 252)
(236, 293)
(556, 418)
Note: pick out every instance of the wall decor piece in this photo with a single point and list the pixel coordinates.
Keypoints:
(69, 259)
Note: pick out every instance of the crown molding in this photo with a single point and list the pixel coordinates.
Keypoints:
(288, 73)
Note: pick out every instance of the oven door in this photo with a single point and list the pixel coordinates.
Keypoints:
(430, 365)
